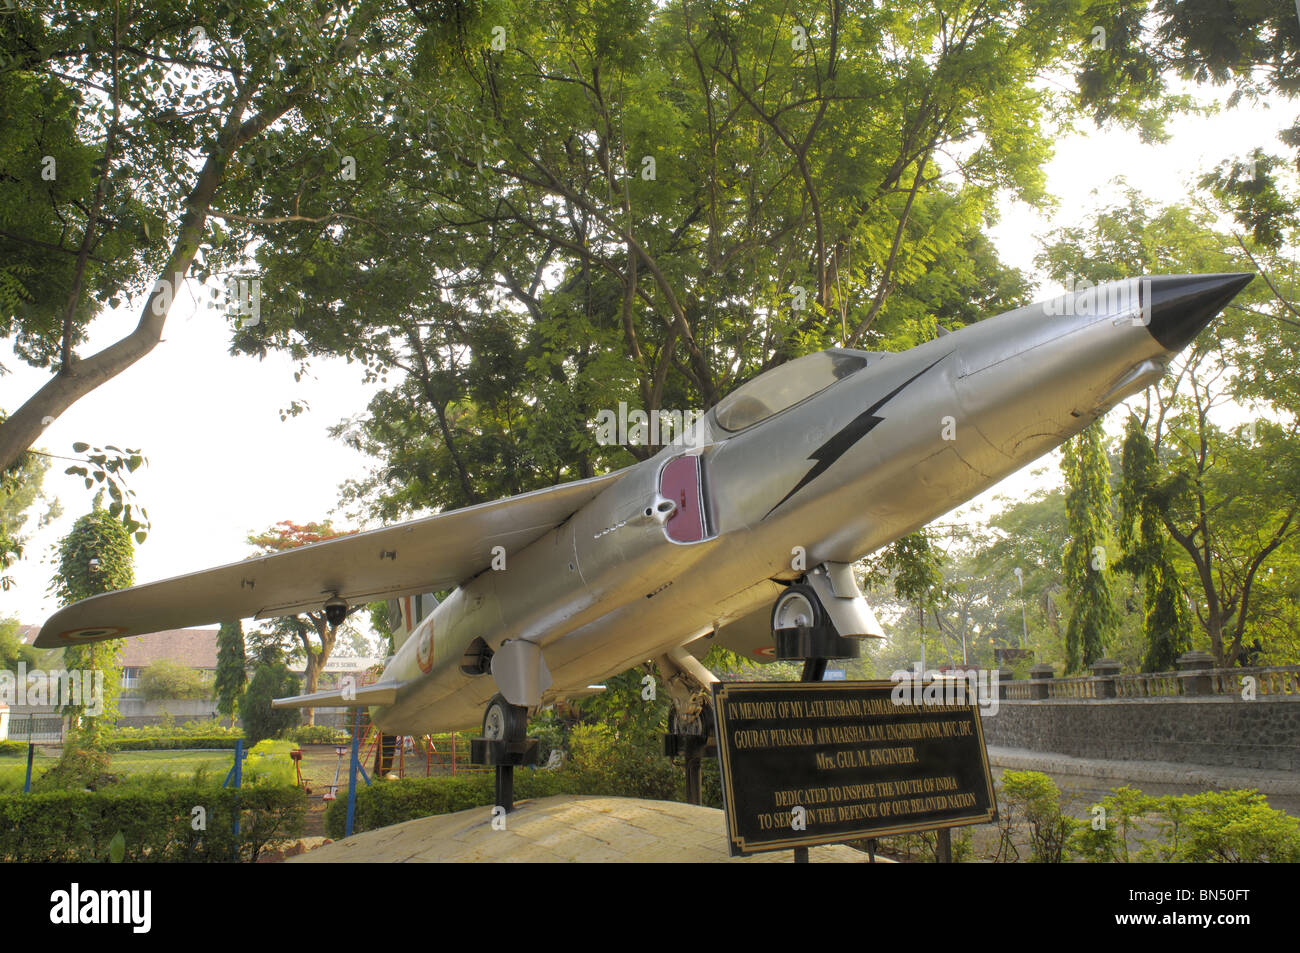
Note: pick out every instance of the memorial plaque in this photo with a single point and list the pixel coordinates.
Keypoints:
(807, 763)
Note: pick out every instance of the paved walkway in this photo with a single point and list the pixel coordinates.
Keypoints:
(562, 829)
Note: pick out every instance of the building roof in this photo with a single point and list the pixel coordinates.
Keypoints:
(193, 648)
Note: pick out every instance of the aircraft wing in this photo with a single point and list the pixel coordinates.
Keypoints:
(425, 555)
(380, 693)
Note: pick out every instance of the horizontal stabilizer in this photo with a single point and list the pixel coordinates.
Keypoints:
(425, 555)
(381, 693)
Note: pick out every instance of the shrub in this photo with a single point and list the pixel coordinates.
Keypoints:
(168, 679)
(207, 727)
(1035, 798)
(603, 762)
(1236, 827)
(260, 720)
(392, 802)
(923, 846)
(174, 742)
(1105, 837)
(157, 823)
(319, 735)
(78, 768)
(268, 762)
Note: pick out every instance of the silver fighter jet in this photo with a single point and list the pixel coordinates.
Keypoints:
(749, 523)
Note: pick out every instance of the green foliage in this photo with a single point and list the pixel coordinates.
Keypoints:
(601, 762)
(392, 802)
(318, 735)
(78, 768)
(529, 272)
(624, 707)
(231, 678)
(1105, 836)
(208, 727)
(20, 489)
(923, 846)
(166, 678)
(1236, 827)
(1210, 827)
(12, 651)
(1226, 496)
(137, 138)
(109, 467)
(96, 556)
(1093, 618)
(156, 824)
(378, 612)
(170, 742)
(259, 719)
(268, 762)
(1149, 555)
(915, 566)
(1032, 799)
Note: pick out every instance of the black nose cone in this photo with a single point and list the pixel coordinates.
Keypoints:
(1181, 305)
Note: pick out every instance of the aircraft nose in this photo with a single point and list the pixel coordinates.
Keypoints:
(1182, 305)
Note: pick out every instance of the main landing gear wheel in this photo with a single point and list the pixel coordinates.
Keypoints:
(503, 721)
(797, 607)
(802, 629)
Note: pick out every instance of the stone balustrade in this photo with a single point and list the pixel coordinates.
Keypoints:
(1196, 676)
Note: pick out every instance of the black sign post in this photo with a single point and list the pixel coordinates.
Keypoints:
(807, 763)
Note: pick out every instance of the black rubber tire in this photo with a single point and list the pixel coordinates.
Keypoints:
(809, 594)
(503, 721)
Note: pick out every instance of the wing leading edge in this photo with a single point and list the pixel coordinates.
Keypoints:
(409, 558)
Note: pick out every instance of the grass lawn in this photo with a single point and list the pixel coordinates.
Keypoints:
(180, 763)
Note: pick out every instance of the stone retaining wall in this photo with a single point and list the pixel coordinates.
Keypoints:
(1218, 730)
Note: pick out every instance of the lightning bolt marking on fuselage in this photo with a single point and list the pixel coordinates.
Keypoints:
(857, 428)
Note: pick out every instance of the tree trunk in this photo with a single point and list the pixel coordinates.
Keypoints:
(77, 378)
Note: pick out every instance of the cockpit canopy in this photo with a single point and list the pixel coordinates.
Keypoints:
(785, 386)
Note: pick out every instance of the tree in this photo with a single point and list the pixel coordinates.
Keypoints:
(1228, 497)
(96, 556)
(133, 130)
(231, 676)
(1092, 617)
(914, 566)
(1150, 46)
(653, 216)
(12, 651)
(1148, 554)
(166, 678)
(20, 489)
(258, 718)
(299, 629)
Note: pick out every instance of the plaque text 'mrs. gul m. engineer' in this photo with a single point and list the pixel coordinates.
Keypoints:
(807, 763)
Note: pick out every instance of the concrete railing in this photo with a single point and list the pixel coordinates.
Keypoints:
(1196, 677)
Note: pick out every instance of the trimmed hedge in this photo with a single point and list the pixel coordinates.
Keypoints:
(392, 802)
(174, 743)
(318, 735)
(157, 824)
(13, 747)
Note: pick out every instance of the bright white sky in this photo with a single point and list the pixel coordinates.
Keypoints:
(222, 464)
